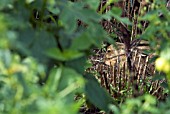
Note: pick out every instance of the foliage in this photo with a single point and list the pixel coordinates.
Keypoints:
(157, 33)
(43, 55)
(44, 47)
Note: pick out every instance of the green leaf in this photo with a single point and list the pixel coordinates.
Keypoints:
(72, 54)
(54, 78)
(97, 95)
(66, 55)
(68, 18)
(55, 53)
(82, 42)
(152, 15)
(5, 58)
(35, 42)
(29, 1)
(69, 77)
(94, 4)
(166, 52)
(96, 36)
(88, 16)
(53, 10)
(5, 3)
(78, 64)
(74, 11)
(116, 13)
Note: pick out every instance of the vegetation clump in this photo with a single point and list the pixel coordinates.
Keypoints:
(84, 56)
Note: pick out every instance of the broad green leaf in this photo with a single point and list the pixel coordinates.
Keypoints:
(5, 3)
(82, 42)
(65, 39)
(65, 55)
(96, 36)
(68, 18)
(36, 42)
(114, 109)
(55, 53)
(29, 1)
(53, 81)
(149, 33)
(52, 2)
(78, 64)
(3, 23)
(5, 58)
(116, 13)
(88, 16)
(97, 95)
(150, 16)
(72, 12)
(53, 10)
(166, 53)
(72, 54)
(94, 4)
(56, 106)
(70, 80)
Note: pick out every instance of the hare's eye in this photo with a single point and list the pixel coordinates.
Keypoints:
(109, 51)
